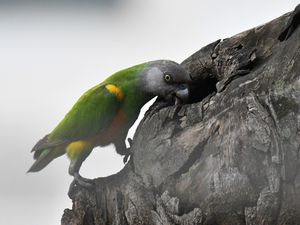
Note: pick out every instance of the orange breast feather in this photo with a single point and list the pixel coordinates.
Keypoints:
(74, 149)
(114, 130)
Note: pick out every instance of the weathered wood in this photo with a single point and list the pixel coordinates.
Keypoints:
(230, 158)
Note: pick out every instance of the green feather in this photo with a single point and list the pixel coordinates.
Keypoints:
(96, 108)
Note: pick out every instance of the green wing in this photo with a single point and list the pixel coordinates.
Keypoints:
(92, 113)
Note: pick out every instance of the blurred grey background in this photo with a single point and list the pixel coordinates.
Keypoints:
(51, 52)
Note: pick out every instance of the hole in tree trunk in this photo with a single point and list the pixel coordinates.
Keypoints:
(200, 89)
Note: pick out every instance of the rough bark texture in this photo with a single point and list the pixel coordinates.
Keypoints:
(230, 158)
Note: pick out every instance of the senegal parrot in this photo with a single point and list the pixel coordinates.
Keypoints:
(103, 114)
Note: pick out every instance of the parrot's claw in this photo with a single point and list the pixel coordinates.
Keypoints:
(126, 158)
(130, 141)
(128, 152)
(83, 182)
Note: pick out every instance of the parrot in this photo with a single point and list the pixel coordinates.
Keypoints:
(104, 114)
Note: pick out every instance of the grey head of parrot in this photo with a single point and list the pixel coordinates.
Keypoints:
(166, 79)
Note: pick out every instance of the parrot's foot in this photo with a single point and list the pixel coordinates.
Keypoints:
(128, 152)
(83, 182)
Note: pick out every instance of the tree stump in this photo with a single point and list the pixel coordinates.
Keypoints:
(230, 156)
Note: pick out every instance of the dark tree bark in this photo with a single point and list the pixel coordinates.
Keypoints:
(231, 156)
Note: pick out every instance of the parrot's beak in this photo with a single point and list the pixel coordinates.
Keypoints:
(181, 94)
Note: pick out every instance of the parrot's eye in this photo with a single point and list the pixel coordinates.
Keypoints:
(168, 78)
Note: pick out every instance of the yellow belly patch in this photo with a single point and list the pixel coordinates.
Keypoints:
(74, 149)
(115, 90)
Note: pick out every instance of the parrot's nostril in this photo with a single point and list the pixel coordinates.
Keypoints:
(182, 86)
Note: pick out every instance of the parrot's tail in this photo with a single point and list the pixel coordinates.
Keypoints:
(45, 151)
(44, 158)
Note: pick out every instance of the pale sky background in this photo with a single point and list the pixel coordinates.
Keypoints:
(51, 53)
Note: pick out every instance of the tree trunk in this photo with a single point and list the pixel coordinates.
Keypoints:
(231, 156)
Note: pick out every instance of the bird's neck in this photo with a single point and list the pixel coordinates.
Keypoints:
(134, 98)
